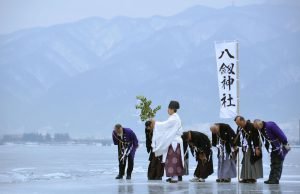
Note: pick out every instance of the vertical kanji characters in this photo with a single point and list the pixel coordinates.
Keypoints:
(226, 63)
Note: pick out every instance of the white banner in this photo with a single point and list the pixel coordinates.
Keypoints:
(227, 61)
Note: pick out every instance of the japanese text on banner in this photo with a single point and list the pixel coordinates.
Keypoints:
(226, 55)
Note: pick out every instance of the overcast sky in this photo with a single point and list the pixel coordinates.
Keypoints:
(19, 14)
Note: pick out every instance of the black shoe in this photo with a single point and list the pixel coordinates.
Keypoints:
(252, 181)
(219, 180)
(168, 179)
(119, 177)
(226, 180)
(179, 178)
(173, 181)
(271, 182)
(128, 177)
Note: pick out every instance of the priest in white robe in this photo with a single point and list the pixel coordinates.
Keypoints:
(167, 141)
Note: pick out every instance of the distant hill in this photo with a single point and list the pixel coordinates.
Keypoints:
(83, 77)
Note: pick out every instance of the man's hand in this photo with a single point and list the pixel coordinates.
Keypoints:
(235, 148)
(287, 147)
(202, 157)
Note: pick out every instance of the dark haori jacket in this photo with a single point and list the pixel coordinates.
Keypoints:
(250, 135)
(149, 135)
(156, 167)
(200, 147)
(199, 143)
(272, 134)
(128, 142)
(226, 137)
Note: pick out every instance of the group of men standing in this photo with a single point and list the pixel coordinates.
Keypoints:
(167, 146)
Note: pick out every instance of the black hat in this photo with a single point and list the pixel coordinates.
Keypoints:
(174, 105)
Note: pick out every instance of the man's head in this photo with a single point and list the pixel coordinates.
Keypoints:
(186, 136)
(214, 129)
(149, 125)
(240, 121)
(258, 124)
(173, 107)
(118, 129)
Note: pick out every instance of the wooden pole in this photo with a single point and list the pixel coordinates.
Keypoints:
(238, 101)
(238, 78)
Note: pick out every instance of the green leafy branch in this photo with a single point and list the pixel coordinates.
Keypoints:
(144, 105)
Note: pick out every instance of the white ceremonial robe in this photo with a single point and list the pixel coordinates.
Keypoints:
(165, 134)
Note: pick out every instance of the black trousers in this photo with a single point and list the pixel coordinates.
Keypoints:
(203, 170)
(276, 167)
(155, 168)
(122, 166)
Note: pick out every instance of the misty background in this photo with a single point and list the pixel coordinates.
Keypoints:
(80, 73)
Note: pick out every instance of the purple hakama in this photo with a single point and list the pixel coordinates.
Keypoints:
(173, 164)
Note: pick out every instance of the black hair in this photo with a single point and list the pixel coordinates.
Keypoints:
(174, 105)
(147, 124)
(241, 118)
(185, 136)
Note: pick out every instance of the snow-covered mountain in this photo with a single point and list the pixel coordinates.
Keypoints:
(83, 77)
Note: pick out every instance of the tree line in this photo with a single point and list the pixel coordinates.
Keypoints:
(48, 138)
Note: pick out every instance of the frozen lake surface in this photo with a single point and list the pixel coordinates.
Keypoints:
(92, 169)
